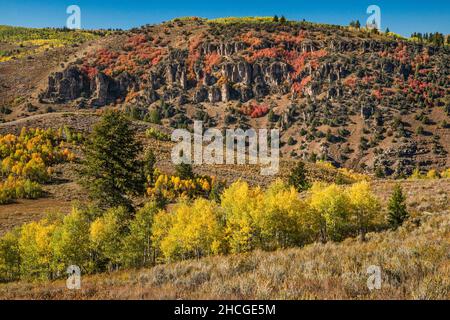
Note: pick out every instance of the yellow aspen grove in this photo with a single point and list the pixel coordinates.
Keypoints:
(196, 231)
(364, 207)
(329, 207)
(282, 218)
(241, 205)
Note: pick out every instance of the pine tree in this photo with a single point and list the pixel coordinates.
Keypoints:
(272, 117)
(447, 108)
(357, 24)
(283, 20)
(275, 18)
(397, 212)
(298, 178)
(111, 171)
(184, 171)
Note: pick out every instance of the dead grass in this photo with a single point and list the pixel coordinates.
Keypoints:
(415, 264)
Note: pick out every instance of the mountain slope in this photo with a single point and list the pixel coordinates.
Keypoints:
(360, 99)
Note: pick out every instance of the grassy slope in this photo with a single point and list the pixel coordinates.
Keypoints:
(26, 41)
(414, 261)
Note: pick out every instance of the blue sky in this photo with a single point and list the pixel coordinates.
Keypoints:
(400, 16)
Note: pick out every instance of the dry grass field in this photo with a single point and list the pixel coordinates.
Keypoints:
(414, 262)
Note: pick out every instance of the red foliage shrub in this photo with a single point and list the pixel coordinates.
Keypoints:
(368, 79)
(105, 57)
(271, 53)
(251, 39)
(284, 37)
(136, 40)
(401, 53)
(350, 81)
(299, 86)
(91, 72)
(298, 60)
(194, 54)
(421, 59)
(138, 56)
(417, 86)
(211, 60)
(254, 110)
(377, 94)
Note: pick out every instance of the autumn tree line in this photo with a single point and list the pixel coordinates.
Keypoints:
(111, 232)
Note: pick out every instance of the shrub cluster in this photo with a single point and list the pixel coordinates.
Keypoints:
(246, 218)
(431, 174)
(26, 158)
(158, 135)
(173, 187)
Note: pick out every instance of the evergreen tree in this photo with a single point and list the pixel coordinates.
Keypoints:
(397, 213)
(275, 18)
(272, 117)
(357, 24)
(283, 20)
(184, 171)
(154, 116)
(111, 171)
(447, 108)
(298, 178)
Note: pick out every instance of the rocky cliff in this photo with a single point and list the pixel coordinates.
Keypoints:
(352, 97)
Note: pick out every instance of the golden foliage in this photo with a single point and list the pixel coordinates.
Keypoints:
(26, 158)
(173, 187)
(245, 219)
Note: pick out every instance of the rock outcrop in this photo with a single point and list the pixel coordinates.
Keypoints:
(101, 90)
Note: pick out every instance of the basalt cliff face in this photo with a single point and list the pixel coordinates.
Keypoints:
(358, 99)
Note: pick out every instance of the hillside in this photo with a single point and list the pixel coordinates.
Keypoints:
(364, 168)
(359, 99)
(414, 263)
